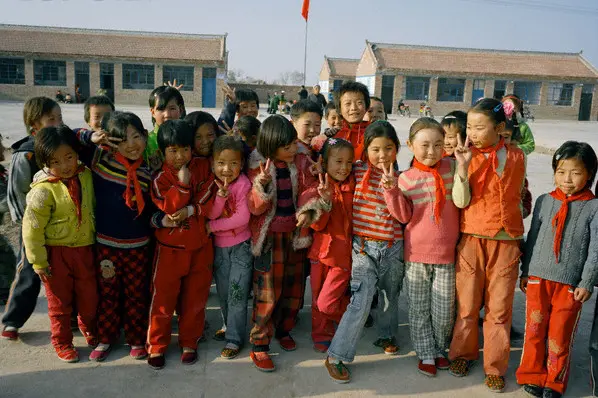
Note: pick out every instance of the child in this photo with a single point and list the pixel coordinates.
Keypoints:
(513, 104)
(205, 127)
(488, 253)
(431, 236)
(454, 124)
(306, 117)
(232, 254)
(122, 184)
(333, 119)
(94, 110)
(375, 111)
(377, 250)
(559, 270)
(7, 253)
(247, 127)
(165, 103)
(38, 113)
(59, 233)
(184, 253)
(353, 102)
(242, 102)
(278, 281)
(330, 254)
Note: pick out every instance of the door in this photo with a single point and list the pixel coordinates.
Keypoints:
(478, 91)
(107, 80)
(585, 104)
(388, 86)
(208, 88)
(82, 80)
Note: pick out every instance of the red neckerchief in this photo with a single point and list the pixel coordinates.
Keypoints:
(135, 194)
(73, 186)
(491, 162)
(347, 131)
(440, 189)
(558, 222)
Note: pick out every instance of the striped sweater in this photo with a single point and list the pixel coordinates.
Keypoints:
(376, 210)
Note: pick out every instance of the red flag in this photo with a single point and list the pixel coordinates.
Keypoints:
(305, 9)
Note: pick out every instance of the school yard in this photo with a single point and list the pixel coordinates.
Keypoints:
(29, 367)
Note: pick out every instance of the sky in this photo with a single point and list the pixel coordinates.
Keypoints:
(266, 37)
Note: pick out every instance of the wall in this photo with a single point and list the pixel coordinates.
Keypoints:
(262, 90)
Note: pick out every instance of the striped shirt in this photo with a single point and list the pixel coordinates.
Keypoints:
(284, 218)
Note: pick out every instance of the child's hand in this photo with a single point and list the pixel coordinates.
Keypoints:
(229, 93)
(43, 273)
(227, 130)
(463, 156)
(222, 188)
(101, 138)
(180, 215)
(173, 84)
(324, 188)
(264, 177)
(316, 167)
(582, 295)
(184, 175)
(168, 223)
(304, 220)
(389, 181)
(523, 284)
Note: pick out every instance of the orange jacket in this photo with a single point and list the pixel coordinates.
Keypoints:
(354, 134)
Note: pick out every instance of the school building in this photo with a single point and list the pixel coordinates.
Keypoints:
(125, 65)
(554, 85)
(336, 70)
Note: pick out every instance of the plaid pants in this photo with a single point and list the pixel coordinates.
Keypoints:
(278, 292)
(431, 293)
(123, 278)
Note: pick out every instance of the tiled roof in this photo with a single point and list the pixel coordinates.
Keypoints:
(111, 43)
(342, 66)
(446, 60)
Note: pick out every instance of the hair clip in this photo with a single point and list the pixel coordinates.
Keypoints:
(497, 107)
(332, 141)
(450, 117)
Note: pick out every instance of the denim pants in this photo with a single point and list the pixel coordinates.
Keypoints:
(377, 265)
(232, 272)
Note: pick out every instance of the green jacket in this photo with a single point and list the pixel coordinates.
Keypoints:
(526, 142)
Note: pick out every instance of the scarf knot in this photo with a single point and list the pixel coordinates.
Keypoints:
(491, 163)
(135, 194)
(440, 189)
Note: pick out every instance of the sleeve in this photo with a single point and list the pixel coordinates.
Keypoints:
(403, 187)
(322, 221)
(527, 143)
(204, 199)
(589, 276)
(532, 237)
(398, 205)
(168, 197)
(19, 180)
(217, 207)
(84, 136)
(35, 220)
(260, 197)
(461, 191)
(240, 218)
(227, 115)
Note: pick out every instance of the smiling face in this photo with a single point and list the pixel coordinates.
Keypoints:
(482, 131)
(227, 165)
(133, 146)
(427, 146)
(308, 125)
(204, 139)
(248, 108)
(286, 153)
(333, 119)
(376, 112)
(177, 156)
(63, 162)
(450, 138)
(172, 111)
(382, 152)
(340, 163)
(353, 106)
(571, 176)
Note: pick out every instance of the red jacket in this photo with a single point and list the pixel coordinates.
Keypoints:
(354, 134)
(170, 195)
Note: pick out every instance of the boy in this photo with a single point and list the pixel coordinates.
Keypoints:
(353, 103)
(243, 102)
(376, 110)
(94, 110)
(454, 124)
(333, 118)
(306, 117)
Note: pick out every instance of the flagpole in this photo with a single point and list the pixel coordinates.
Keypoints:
(305, 53)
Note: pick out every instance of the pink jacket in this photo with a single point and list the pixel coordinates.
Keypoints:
(230, 216)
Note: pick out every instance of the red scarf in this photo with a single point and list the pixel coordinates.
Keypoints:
(356, 130)
(438, 183)
(74, 187)
(491, 162)
(135, 195)
(558, 222)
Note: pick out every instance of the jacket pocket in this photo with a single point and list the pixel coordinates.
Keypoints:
(59, 229)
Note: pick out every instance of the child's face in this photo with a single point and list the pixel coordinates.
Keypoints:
(450, 138)
(64, 162)
(353, 107)
(96, 113)
(286, 153)
(204, 138)
(227, 165)
(376, 112)
(507, 134)
(308, 126)
(132, 148)
(50, 119)
(334, 119)
(340, 163)
(177, 156)
(382, 152)
(248, 108)
(172, 111)
(427, 146)
(571, 176)
(482, 131)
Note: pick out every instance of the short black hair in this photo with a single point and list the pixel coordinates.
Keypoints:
(492, 108)
(380, 129)
(116, 124)
(225, 142)
(245, 94)
(577, 150)
(334, 143)
(199, 118)
(49, 139)
(305, 106)
(458, 119)
(162, 95)
(249, 126)
(175, 133)
(276, 132)
(330, 106)
(96, 100)
(351, 86)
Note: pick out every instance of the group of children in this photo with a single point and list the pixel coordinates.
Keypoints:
(126, 227)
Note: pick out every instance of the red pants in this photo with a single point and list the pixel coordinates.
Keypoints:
(329, 299)
(181, 281)
(73, 281)
(551, 319)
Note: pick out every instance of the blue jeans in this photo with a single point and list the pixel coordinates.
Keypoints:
(376, 265)
(233, 272)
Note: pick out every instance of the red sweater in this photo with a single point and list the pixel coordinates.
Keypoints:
(354, 134)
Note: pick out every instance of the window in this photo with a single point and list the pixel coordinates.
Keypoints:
(182, 74)
(450, 89)
(49, 73)
(417, 88)
(528, 92)
(138, 77)
(500, 88)
(560, 94)
(12, 71)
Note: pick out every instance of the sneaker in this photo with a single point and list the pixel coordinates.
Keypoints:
(189, 357)
(426, 370)
(230, 352)
(389, 346)
(220, 335)
(338, 372)
(495, 383)
(10, 333)
(157, 362)
(460, 367)
(533, 390)
(442, 363)
(138, 352)
(322, 346)
(550, 393)
(98, 355)
(262, 361)
(67, 354)
(287, 343)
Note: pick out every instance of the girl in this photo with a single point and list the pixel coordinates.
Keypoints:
(232, 254)
(276, 240)
(431, 235)
(559, 270)
(488, 253)
(59, 233)
(377, 250)
(205, 127)
(122, 183)
(513, 104)
(330, 254)
(38, 113)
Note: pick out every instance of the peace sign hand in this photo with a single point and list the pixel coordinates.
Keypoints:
(173, 84)
(316, 167)
(264, 176)
(229, 93)
(389, 181)
(463, 153)
(324, 189)
(227, 130)
(222, 188)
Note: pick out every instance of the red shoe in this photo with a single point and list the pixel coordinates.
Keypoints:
(10, 334)
(262, 361)
(67, 354)
(442, 363)
(138, 353)
(156, 363)
(188, 357)
(427, 370)
(287, 343)
(100, 355)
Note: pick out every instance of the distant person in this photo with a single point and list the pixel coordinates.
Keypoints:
(317, 97)
(59, 96)
(273, 105)
(303, 93)
(238, 102)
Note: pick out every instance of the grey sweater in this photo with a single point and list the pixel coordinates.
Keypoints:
(578, 265)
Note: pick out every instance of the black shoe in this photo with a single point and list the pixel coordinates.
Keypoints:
(550, 393)
(369, 322)
(156, 363)
(533, 390)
